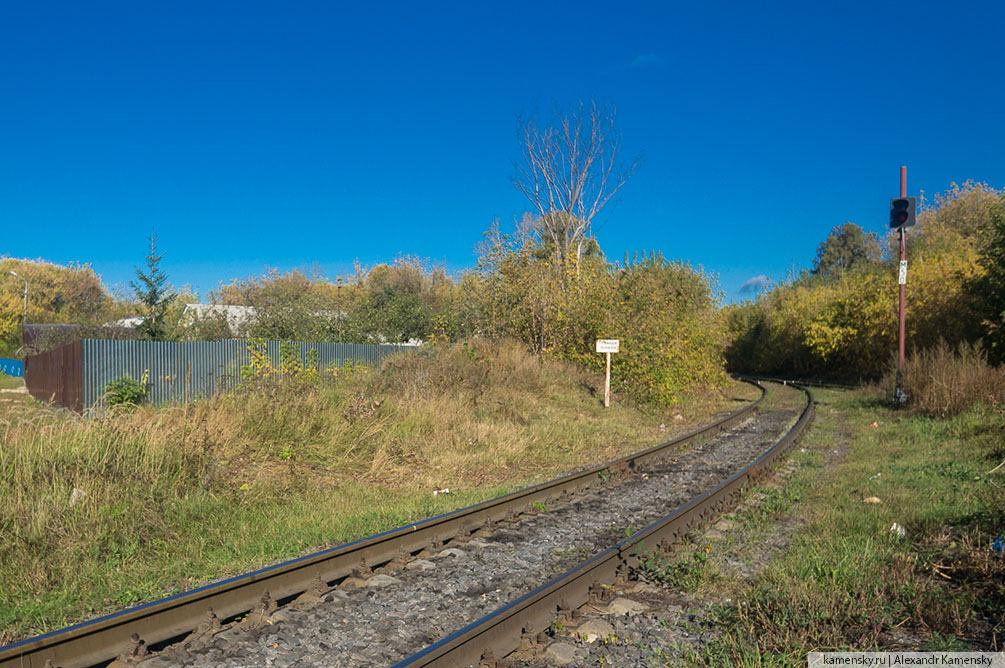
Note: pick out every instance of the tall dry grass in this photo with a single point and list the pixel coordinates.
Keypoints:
(446, 417)
(947, 380)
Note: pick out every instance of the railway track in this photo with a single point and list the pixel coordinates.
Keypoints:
(518, 626)
(473, 540)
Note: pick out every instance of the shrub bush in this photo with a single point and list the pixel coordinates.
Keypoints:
(664, 312)
(126, 391)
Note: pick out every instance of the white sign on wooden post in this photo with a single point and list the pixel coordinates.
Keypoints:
(608, 346)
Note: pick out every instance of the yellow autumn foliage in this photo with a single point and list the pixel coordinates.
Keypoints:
(846, 326)
(56, 294)
(665, 313)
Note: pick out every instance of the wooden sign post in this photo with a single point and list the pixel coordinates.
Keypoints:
(608, 346)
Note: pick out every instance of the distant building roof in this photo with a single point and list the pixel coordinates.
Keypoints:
(237, 316)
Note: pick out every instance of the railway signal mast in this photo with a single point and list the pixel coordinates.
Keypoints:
(902, 214)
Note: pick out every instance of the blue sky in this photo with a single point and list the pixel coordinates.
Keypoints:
(287, 135)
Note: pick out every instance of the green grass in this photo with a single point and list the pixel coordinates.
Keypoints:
(846, 582)
(171, 497)
(10, 382)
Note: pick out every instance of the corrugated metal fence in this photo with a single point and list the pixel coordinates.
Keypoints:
(57, 376)
(180, 371)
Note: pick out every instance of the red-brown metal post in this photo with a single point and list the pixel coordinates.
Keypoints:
(899, 395)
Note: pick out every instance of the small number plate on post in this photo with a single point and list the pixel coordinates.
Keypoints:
(903, 272)
(608, 345)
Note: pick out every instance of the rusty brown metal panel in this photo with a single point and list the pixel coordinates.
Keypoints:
(73, 377)
(39, 373)
(56, 376)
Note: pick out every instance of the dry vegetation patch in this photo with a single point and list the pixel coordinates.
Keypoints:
(944, 380)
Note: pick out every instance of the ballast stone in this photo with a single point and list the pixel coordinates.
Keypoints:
(594, 629)
(622, 605)
(381, 580)
(561, 653)
(420, 565)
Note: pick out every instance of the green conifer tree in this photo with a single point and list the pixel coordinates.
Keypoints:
(846, 246)
(151, 291)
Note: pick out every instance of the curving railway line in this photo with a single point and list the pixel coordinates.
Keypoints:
(455, 590)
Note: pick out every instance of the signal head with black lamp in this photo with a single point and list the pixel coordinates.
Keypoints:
(902, 210)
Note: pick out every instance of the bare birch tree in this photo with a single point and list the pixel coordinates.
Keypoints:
(569, 169)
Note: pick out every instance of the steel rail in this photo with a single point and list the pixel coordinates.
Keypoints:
(499, 633)
(800, 382)
(103, 639)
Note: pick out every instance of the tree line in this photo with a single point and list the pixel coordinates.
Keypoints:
(547, 283)
(839, 319)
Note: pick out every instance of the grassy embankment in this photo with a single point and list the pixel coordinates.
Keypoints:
(99, 514)
(842, 579)
(10, 382)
